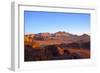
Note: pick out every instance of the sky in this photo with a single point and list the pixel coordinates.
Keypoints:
(38, 22)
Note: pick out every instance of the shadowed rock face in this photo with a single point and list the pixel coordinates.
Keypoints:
(85, 45)
(51, 52)
(31, 54)
(71, 45)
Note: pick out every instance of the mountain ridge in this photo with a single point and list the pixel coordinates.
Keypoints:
(58, 38)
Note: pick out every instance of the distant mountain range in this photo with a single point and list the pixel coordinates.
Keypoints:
(61, 37)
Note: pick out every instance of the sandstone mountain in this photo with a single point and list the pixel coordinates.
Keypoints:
(59, 37)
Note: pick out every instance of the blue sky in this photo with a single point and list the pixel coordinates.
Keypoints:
(37, 22)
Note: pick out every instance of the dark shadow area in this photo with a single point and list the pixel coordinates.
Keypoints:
(53, 52)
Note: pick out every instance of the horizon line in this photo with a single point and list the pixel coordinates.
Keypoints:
(88, 33)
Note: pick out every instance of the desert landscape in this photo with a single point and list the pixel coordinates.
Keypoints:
(56, 46)
(56, 36)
